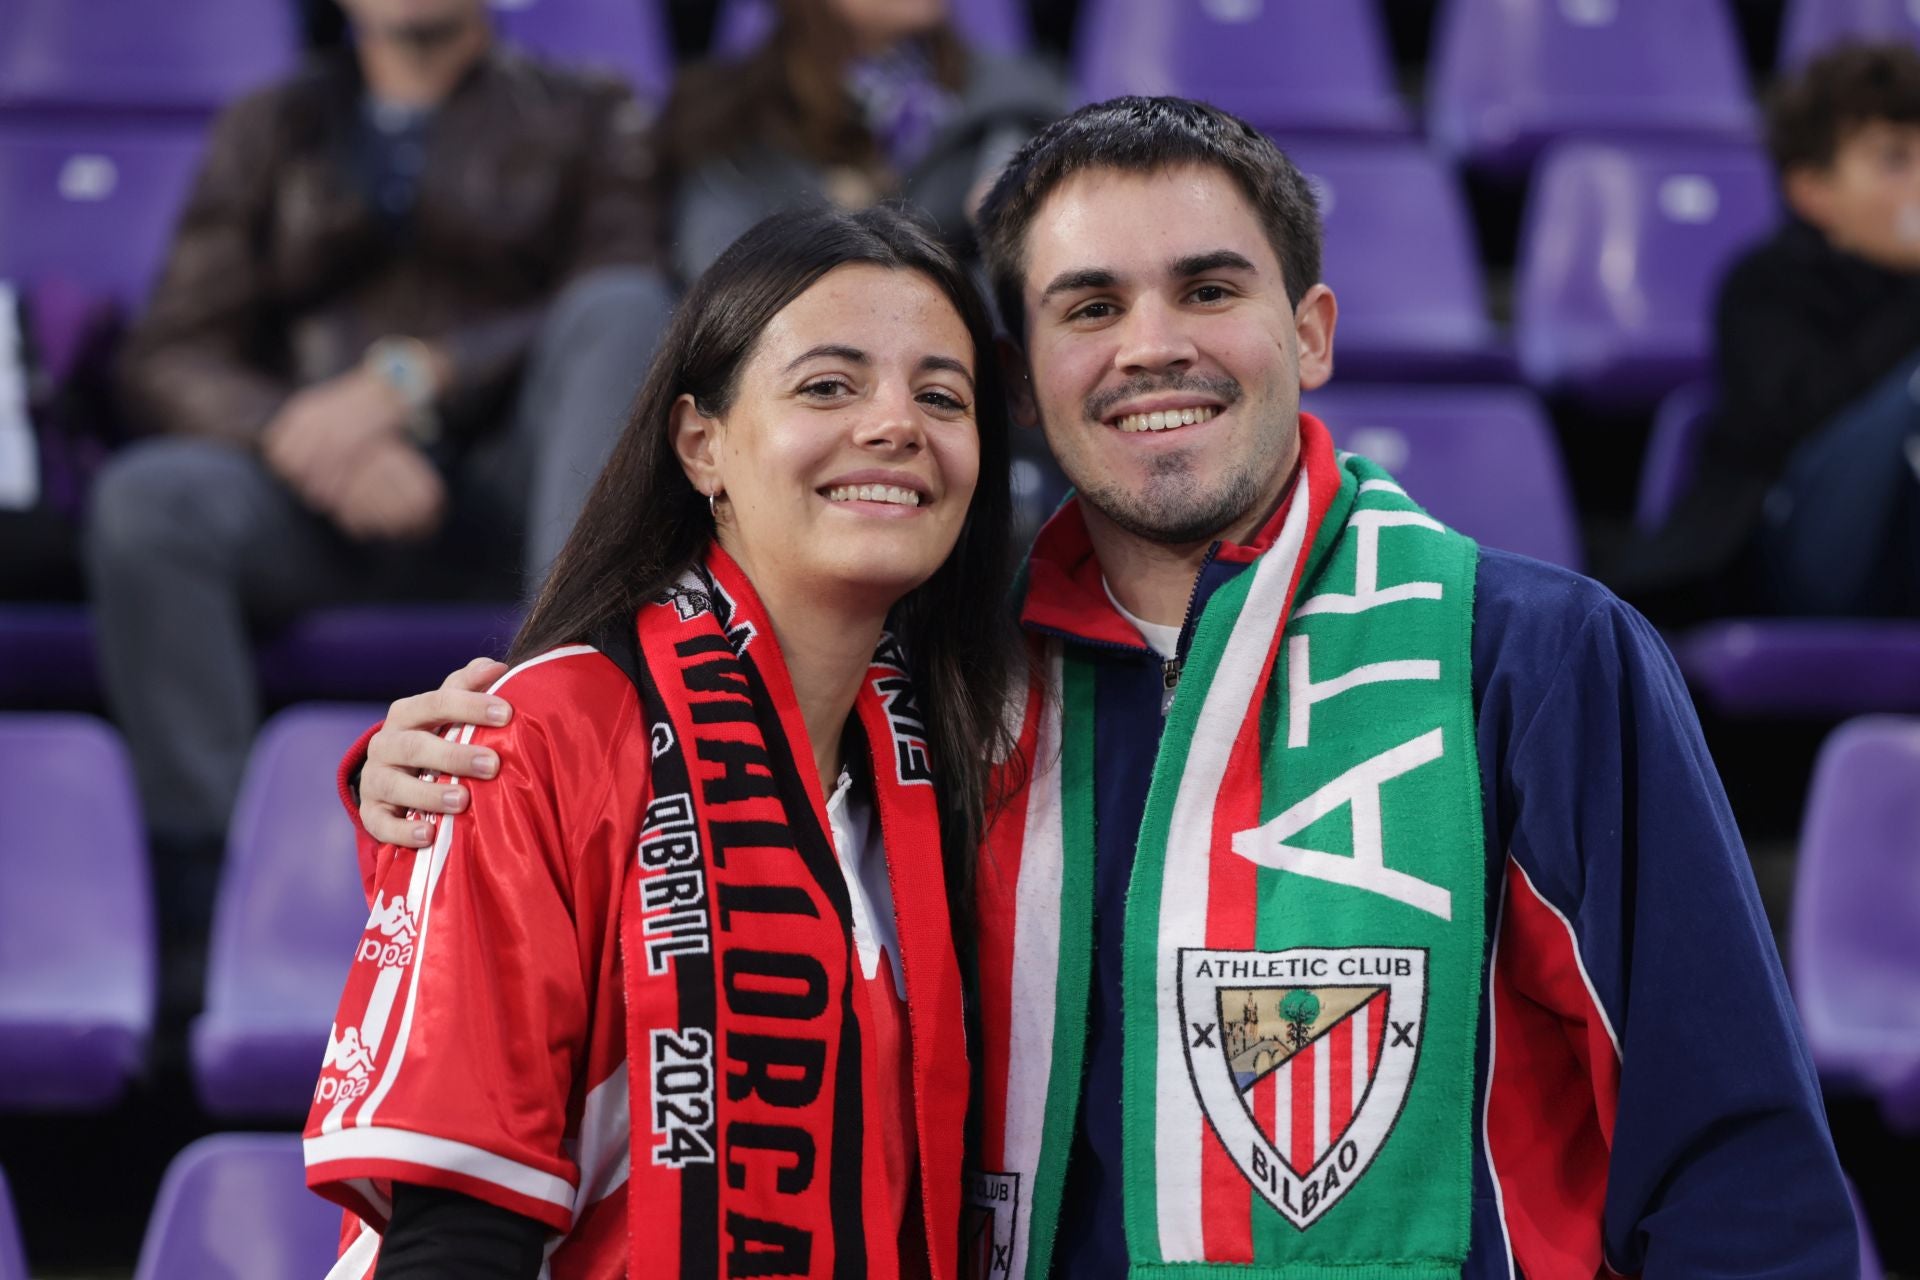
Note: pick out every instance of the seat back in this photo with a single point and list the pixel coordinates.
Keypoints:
(77, 968)
(13, 1259)
(996, 26)
(187, 56)
(92, 203)
(1399, 254)
(235, 1206)
(626, 37)
(1856, 901)
(1673, 452)
(1287, 66)
(1622, 251)
(1811, 26)
(290, 909)
(1509, 76)
(1481, 459)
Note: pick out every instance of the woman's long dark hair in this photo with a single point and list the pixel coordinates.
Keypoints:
(644, 524)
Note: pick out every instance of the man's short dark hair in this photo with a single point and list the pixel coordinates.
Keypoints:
(1145, 135)
(1810, 115)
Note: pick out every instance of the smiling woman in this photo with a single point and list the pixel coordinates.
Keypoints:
(679, 986)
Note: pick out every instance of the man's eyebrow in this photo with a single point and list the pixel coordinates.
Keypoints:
(948, 363)
(1083, 278)
(837, 350)
(1199, 264)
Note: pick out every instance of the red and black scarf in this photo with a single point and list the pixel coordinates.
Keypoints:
(743, 1012)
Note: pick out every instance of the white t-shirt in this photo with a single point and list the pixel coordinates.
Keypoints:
(1164, 640)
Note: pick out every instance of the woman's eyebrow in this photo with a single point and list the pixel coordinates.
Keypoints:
(950, 365)
(839, 351)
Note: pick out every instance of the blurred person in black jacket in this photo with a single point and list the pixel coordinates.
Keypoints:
(1807, 497)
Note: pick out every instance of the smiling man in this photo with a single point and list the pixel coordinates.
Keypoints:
(1371, 906)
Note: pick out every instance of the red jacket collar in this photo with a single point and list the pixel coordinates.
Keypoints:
(1065, 590)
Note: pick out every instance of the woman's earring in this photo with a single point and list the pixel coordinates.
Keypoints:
(712, 505)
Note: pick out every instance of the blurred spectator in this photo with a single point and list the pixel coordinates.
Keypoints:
(1809, 483)
(850, 101)
(408, 302)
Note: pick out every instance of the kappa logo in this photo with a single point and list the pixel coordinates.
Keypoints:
(346, 1072)
(396, 927)
(1302, 1061)
(987, 1225)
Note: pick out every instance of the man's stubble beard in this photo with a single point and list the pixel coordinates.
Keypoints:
(1171, 509)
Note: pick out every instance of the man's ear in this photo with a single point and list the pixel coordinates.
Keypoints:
(1809, 193)
(696, 440)
(1313, 322)
(1017, 374)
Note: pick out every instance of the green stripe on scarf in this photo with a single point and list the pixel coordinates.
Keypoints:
(1352, 946)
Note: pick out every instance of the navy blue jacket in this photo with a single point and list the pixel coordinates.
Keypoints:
(1645, 1100)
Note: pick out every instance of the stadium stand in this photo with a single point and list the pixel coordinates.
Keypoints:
(289, 909)
(997, 26)
(1400, 256)
(1482, 459)
(235, 1206)
(1855, 950)
(76, 916)
(1508, 77)
(1763, 667)
(13, 1260)
(1811, 25)
(1287, 66)
(187, 59)
(1622, 249)
(628, 39)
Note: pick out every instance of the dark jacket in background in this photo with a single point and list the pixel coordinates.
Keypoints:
(1802, 330)
(281, 272)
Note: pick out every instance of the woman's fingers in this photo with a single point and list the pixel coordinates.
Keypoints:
(411, 751)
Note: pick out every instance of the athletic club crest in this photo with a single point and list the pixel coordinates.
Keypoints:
(987, 1225)
(1302, 1060)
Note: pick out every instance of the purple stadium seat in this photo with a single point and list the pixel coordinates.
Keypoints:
(1287, 66)
(1856, 913)
(366, 652)
(188, 56)
(997, 26)
(628, 37)
(1772, 666)
(235, 1206)
(284, 926)
(76, 915)
(1673, 451)
(1400, 257)
(13, 1259)
(47, 656)
(1813, 667)
(91, 203)
(1623, 248)
(1482, 459)
(1510, 76)
(1810, 26)
(380, 651)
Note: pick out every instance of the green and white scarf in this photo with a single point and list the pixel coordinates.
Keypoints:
(1304, 929)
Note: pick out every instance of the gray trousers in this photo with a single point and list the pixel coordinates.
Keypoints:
(193, 546)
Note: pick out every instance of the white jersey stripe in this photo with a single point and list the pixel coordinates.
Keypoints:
(426, 874)
(1036, 960)
(602, 1154)
(443, 1154)
(356, 1261)
(1283, 1109)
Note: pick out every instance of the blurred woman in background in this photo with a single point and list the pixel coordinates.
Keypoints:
(850, 102)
